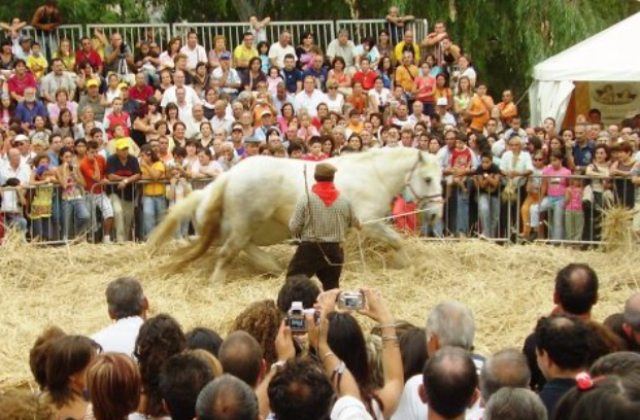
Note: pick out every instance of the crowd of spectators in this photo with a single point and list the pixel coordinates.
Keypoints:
(272, 365)
(117, 112)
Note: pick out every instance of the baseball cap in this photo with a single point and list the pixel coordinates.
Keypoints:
(123, 85)
(21, 138)
(225, 55)
(265, 112)
(92, 83)
(442, 102)
(252, 139)
(122, 143)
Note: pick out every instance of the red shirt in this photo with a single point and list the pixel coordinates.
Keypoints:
(18, 85)
(120, 119)
(140, 94)
(367, 79)
(314, 158)
(425, 87)
(87, 168)
(92, 57)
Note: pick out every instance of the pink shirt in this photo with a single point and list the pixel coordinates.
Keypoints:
(575, 199)
(558, 180)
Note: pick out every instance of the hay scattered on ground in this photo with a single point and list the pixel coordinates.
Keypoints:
(508, 288)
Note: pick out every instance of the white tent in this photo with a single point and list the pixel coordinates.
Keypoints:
(609, 56)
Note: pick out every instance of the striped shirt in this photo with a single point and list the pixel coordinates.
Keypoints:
(312, 221)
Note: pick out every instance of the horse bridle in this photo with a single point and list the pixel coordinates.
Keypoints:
(419, 198)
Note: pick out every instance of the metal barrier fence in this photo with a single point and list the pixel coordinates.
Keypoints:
(48, 219)
(133, 33)
(522, 215)
(467, 212)
(358, 29)
(71, 32)
(322, 29)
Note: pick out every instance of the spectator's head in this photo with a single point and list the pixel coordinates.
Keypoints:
(29, 94)
(620, 363)
(300, 387)
(413, 350)
(182, 378)
(22, 404)
(343, 36)
(298, 288)
(261, 320)
(247, 39)
(39, 352)
(159, 338)
(192, 39)
(449, 382)
(562, 346)
(114, 383)
(126, 298)
(576, 289)
(450, 324)
(515, 404)
(241, 356)
(67, 362)
(205, 339)
(348, 343)
(631, 319)
(611, 397)
(227, 398)
(506, 368)
(57, 66)
(309, 84)
(285, 38)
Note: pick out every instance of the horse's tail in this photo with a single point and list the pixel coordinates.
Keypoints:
(185, 209)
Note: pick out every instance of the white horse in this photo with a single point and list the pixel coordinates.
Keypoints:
(250, 205)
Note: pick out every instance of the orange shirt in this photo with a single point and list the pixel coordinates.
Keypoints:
(508, 111)
(405, 77)
(478, 105)
(87, 170)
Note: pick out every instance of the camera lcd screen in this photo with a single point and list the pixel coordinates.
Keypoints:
(297, 323)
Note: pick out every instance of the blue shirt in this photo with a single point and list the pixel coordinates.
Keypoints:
(291, 79)
(582, 156)
(320, 75)
(26, 114)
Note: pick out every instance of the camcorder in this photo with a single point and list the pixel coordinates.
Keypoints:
(351, 300)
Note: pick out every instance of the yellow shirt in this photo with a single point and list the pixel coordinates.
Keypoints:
(242, 53)
(154, 188)
(37, 65)
(405, 77)
(397, 52)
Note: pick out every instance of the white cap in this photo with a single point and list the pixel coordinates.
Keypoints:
(442, 101)
(21, 137)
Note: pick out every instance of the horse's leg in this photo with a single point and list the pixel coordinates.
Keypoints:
(262, 260)
(387, 234)
(236, 241)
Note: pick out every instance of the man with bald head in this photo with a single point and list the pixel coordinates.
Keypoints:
(179, 80)
(227, 397)
(241, 356)
(506, 368)
(631, 322)
(449, 384)
(194, 120)
(14, 174)
(220, 118)
(407, 44)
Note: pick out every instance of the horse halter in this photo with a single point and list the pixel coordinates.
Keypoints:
(419, 198)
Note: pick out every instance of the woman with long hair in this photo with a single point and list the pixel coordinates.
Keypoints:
(253, 75)
(65, 53)
(340, 338)
(287, 114)
(75, 213)
(598, 172)
(385, 47)
(167, 57)
(463, 96)
(219, 47)
(386, 71)
(339, 75)
(159, 338)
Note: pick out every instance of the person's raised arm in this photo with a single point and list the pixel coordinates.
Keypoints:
(377, 310)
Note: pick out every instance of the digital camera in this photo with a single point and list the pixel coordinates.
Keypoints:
(296, 318)
(351, 300)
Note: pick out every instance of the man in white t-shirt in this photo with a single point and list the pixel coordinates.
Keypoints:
(195, 53)
(310, 97)
(280, 49)
(450, 324)
(169, 95)
(128, 308)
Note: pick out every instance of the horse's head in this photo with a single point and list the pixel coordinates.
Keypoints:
(424, 182)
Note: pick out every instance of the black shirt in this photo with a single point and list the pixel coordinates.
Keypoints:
(130, 168)
(291, 79)
(553, 391)
(491, 170)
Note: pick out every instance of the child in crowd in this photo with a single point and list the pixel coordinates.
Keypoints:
(315, 150)
(43, 177)
(263, 51)
(274, 79)
(179, 188)
(13, 201)
(573, 214)
(36, 62)
(554, 185)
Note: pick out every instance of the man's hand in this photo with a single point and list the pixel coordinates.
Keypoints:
(284, 343)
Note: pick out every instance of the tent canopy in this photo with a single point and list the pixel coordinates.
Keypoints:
(608, 56)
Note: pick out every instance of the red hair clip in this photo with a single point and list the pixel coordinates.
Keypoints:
(584, 381)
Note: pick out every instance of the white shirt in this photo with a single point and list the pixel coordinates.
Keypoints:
(277, 53)
(225, 123)
(194, 56)
(10, 201)
(523, 164)
(120, 337)
(233, 77)
(303, 101)
(349, 408)
(193, 126)
(347, 51)
(169, 96)
(382, 97)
